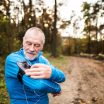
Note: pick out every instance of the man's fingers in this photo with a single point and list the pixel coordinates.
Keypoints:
(39, 70)
(37, 77)
(38, 65)
(34, 73)
(33, 70)
(35, 66)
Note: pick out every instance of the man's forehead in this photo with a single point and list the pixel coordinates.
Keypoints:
(33, 39)
(33, 34)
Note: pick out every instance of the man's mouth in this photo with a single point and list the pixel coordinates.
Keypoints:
(32, 53)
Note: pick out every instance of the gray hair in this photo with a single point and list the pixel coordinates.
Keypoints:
(35, 30)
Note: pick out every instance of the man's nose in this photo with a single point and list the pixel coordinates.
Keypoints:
(32, 48)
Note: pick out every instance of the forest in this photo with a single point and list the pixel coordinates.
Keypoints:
(16, 16)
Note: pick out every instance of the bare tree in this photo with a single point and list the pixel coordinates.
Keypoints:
(54, 34)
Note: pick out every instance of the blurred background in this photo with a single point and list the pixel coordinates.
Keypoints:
(71, 27)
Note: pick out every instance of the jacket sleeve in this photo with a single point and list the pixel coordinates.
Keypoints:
(11, 70)
(57, 75)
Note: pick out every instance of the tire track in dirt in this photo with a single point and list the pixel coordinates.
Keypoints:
(84, 83)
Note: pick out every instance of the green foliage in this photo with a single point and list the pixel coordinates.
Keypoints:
(11, 33)
(92, 14)
(70, 46)
(3, 93)
(86, 6)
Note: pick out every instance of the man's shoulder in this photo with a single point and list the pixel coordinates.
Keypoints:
(43, 59)
(14, 56)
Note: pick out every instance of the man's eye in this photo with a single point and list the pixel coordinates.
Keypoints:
(37, 45)
(28, 43)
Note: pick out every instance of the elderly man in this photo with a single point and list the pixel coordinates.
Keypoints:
(29, 75)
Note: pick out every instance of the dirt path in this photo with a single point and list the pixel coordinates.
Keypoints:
(84, 84)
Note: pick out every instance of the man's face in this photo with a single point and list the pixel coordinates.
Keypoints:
(32, 45)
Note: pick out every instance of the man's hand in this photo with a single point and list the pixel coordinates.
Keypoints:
(39, 71)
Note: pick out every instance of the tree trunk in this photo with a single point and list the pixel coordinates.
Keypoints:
(54, 34)
(8, 27)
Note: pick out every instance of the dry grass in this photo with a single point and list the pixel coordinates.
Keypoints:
(59, 62)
